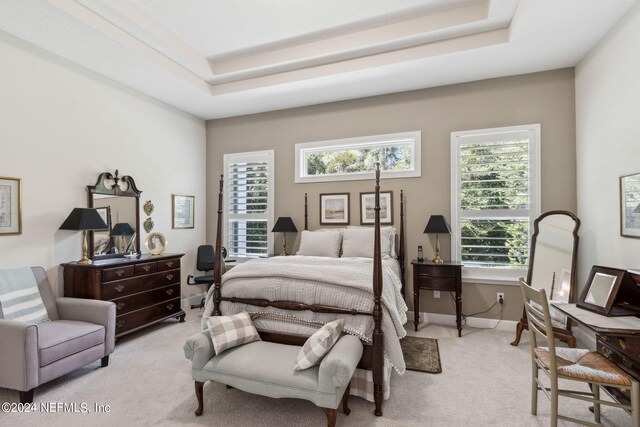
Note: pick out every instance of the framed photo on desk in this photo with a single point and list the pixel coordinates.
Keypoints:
(610, 292)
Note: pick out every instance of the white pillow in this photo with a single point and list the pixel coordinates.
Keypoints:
(323, 243)
(358, 242)
(389, 231)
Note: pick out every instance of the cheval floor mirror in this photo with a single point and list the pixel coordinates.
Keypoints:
(552, 266)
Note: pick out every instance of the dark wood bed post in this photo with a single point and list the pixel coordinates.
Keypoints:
(218, 268)
(401, 242)
(306, 213)
(378, 335)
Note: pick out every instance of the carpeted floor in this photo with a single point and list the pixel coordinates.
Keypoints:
(485, 382)
(421, 354)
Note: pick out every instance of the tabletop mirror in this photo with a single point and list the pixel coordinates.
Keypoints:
(117, 200)
(552, 267)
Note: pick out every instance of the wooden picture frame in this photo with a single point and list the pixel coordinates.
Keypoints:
(10, 206)
(334, 209)
(630, 205)
(367, 203)
(182, 211)
(601, 289)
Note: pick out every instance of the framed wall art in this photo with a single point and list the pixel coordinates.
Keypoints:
(10, 206)
(334, 209)
(182, 211)
(368, 203)
(630, 205)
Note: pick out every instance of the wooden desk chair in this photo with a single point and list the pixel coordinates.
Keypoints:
(571, 364)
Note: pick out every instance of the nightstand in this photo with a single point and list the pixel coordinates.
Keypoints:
(437, 277)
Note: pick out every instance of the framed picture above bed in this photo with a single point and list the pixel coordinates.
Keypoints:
(368, 202)
(334, 209)
(630, 205)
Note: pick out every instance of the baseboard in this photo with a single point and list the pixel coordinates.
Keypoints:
(192, 300)
(474, 322)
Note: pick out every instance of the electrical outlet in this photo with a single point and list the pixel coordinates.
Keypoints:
(436, 294)
(500, 297)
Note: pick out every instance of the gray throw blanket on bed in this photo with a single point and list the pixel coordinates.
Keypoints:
(338, 282)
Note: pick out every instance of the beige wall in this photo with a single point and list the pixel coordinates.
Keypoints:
(546, 98)
(608, 143)
(61, 126)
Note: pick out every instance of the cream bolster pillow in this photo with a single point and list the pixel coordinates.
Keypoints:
(231, 331)
(358, 242)
(320, 243)
(318, 344)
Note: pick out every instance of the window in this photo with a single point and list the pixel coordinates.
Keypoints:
(495, 199)
(356, 158)
(248, 203)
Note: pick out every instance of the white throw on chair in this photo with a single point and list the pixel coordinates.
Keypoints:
(571, 364)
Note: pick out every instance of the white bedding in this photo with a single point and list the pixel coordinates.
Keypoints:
(338, 282)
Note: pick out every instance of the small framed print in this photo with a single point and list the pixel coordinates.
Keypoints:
(334, 209)
(368, 203)
(182, 211)
(10, 206)
(630, 205)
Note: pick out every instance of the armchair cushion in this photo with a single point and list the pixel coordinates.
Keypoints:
(20, 298)
(62, 338)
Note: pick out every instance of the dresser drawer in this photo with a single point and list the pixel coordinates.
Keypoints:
(168, 264)
(630, 346)
(146, 268)
(147, 315)
(120, 288)
(437, 283)
(145, 299)
(437, 271)
(117, 273)
(621, 360)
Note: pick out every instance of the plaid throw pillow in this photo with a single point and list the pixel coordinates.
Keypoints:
(318, 345)
(231, 331)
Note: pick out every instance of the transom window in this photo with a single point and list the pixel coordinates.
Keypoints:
(356, 158)
(248, 203)
(496, 191)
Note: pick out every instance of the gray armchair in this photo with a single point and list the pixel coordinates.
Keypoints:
(81, 331)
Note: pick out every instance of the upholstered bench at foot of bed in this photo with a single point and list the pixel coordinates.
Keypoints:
(266, 369)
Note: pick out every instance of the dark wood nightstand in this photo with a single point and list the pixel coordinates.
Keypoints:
(437, 277)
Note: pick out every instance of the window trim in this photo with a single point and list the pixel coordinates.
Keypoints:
(494, 274)
(301, 148)
(269, 156)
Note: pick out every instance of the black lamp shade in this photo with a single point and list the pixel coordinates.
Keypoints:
(122, 229)
(284, 224)
(437, 224)
(84, 219)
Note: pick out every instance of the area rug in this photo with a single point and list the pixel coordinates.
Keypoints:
(421, 354)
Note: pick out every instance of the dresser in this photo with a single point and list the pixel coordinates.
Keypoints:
(437, 277)
(145, 290)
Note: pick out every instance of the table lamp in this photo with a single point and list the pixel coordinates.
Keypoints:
(437, 224)
(285, 225)
(122, 229)
(84, 219)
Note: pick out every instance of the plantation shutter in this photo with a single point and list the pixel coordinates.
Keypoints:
(496, 196)
(248, 203)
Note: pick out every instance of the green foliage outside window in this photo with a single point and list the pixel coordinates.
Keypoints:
(396, 158)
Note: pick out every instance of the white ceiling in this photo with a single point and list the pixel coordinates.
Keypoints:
(221, 58)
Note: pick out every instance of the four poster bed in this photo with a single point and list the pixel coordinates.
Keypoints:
(291, 297)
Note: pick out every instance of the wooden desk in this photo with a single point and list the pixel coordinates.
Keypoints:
(617, 339)
(438, 277)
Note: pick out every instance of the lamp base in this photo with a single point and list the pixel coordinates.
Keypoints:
(284, 253)
(84, 261)
(437, 259)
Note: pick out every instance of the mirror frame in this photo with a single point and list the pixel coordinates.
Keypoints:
(606, 309)
(103, 186)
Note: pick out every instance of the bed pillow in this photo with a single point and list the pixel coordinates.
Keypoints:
(388, 231)
(358, 242)
(320, 243)
(318, 345)
(231, 331)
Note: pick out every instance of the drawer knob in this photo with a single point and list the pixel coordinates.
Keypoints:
(146, 267)
(119, 288)
(169, 276)
(120, 272)
(169, 291)
(169, 306)
(120, 305)
(627, 362)
(623, 344)
(120, 323)
(606, 352)
(169, 263)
